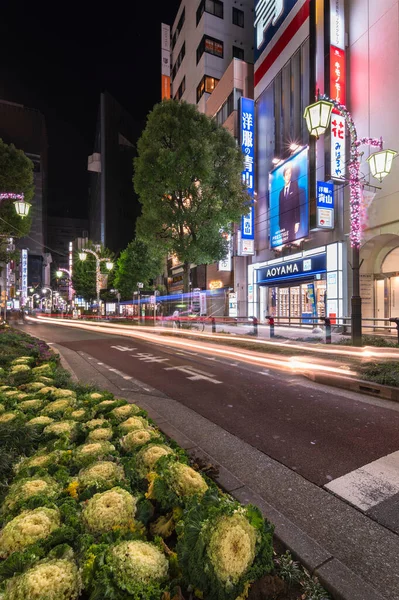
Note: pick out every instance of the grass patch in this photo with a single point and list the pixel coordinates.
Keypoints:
(386, 373)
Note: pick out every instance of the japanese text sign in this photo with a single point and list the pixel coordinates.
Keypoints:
(325, 205)
(247, 139)
(337, 75)
(338, 147)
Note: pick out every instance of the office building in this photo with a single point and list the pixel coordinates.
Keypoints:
(113, 205)
(26, 129)
(301, 267)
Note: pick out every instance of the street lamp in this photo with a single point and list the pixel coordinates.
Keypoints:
(108, 264)
(44, 290)
(60, 272)
(317, 117)
(21, 207)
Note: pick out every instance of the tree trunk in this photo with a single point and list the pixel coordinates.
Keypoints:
(186, 277)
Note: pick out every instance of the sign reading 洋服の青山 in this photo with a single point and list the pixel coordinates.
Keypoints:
(325, 205)
(288, 200)
(294, 269)
(247, 140)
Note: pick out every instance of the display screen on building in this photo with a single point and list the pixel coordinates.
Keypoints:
(247, 140)
(269, 16)
(289, 204)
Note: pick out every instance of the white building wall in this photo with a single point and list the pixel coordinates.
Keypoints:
(373, 82)
(220, 29)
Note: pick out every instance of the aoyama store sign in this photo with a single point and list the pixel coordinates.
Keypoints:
(296, 269)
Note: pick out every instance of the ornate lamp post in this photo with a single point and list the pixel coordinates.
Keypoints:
(108, 263)
(44, 290)
(59, 273)
(317, 117)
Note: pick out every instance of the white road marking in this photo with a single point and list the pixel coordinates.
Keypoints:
(369, 485)
(100, 363)
(194, 374)
(123, 348)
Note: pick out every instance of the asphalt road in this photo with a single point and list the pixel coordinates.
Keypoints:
(320, 433)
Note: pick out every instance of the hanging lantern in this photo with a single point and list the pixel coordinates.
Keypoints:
(318, 116)
(82, 255)
(22, 208)
(380, 163)
(58, 274)
(109, 265)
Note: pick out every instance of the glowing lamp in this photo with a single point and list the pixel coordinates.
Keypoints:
(109, 265)
(22, 208)
(380, 163)
(58, 273)
(82, 255)
(318, 116)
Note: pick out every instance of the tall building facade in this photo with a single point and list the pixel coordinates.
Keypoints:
(211, 66)
(347, 50)
(205, 37)
(26, 129)
(113, 205)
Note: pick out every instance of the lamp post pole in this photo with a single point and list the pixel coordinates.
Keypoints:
(44, 289)
(109, 264)
(317, 118)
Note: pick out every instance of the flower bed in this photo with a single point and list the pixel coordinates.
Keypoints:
(98, 503)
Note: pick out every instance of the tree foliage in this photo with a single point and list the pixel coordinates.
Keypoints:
(16, 176)
(188, 178)
(137, 263)
(84, 271)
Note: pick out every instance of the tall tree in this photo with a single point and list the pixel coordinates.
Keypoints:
(188, 178)
(84, 271)
(16, 176)
(139, 262)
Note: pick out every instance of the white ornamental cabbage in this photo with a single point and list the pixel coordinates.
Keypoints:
(56, 579)
(28, 527)
(136, 561)
(109, 510)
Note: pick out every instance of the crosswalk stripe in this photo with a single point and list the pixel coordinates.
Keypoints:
(370, 484)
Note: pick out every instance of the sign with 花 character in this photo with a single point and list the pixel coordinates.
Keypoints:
(338, 147)
(325, 205)
(247, 139)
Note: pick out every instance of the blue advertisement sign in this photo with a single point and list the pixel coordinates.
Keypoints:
(294, 269)
(269, 16)
(289, 205)
(325, 205)
(247, 140)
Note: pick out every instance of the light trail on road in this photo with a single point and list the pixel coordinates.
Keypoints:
(285, 363)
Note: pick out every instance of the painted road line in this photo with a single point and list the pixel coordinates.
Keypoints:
(193, 373)
(369, 485)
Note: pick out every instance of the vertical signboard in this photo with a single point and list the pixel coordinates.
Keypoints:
(338, 147)
(225, 264)
(337, 24)
(24, 276)
(165, 58)
(337, 75)
(325, 205)
(247, 140)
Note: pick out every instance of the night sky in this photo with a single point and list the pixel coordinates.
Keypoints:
(58, 58)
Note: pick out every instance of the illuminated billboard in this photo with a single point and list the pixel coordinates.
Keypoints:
(288, 200)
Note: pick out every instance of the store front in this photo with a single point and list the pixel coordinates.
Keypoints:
(298, 289)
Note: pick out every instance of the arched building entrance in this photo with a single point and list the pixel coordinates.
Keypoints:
(379, 277)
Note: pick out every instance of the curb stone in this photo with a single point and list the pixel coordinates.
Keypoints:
(361, 386)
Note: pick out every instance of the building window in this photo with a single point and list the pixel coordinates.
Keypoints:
(211, 46)
(238, 53)
(227, 107)
(238, 17)
(213, 7)
(178, 28)
(181, 89)
(179, 60)
(206, 85)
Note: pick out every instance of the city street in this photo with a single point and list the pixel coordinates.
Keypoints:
(326, 435)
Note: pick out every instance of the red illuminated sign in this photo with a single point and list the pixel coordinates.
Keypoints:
(337, 75)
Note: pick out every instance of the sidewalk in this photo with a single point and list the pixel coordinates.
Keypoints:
(354, 557)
